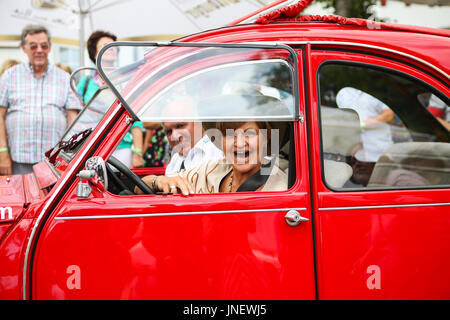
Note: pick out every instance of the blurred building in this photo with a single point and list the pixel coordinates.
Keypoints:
(162, 20)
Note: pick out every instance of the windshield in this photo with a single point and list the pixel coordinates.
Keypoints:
(92, 113)
(222, 83)
(83, 125)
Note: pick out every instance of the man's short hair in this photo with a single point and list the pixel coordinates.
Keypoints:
(33, 29)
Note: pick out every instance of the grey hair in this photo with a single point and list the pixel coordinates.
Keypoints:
(32, 29)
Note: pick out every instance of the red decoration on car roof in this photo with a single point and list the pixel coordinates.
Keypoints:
(288, 12)
(329, 18)
(292, 13)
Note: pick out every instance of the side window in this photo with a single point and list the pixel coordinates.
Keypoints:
(381, 129)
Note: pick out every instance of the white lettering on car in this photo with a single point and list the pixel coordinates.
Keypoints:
(3, 211)
(374, 280)
(74, 280)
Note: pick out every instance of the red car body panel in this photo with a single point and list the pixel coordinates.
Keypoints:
(12, 190)
(238, 246)
(430, 48)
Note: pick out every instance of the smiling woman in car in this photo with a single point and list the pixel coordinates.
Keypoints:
(244, 168)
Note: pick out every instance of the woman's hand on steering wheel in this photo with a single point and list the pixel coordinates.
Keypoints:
(174, 185)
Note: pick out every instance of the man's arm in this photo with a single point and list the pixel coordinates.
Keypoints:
(5, 159)
(151, 125)
(387, 116)
(137, 160)
(444, 123)
(73, 106)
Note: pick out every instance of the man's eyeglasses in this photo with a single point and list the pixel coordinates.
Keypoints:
(34, 46)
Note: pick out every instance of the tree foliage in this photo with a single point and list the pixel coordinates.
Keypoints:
(352, 8)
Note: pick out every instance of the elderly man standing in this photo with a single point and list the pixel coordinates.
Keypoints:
(36, 105)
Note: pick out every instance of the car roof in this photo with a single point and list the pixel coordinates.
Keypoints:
(427, 44)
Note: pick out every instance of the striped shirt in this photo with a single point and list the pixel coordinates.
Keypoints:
(36, 115)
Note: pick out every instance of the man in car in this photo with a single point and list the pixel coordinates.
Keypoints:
(190, 145)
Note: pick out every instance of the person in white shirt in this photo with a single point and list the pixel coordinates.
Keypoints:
(376, 134)
(190, 145)
(375, 117)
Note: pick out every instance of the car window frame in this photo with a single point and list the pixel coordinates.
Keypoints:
(396, 72)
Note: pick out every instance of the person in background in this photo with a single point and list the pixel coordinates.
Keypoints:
(129, 151)
(36, 105)
(376, 136)
(375, 118)
(8, 64)
(440, 110)
(156, 145)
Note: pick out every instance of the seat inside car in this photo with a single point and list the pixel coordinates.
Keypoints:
(412, 164)
(341, 135)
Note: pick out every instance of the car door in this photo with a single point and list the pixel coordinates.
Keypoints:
(381, 189)
(203, 246)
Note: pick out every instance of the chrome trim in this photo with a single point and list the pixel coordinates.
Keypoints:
(62, 183)
(168, 214)
(386, 206)
(293, 218)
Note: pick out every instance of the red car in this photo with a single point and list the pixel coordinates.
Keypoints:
(366, 210)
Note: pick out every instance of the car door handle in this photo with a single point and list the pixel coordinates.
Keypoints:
(293, 218)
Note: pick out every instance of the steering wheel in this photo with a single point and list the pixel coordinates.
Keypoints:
(130, 174)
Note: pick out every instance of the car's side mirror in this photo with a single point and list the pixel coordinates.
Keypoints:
(76, 76)
(94, 174)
